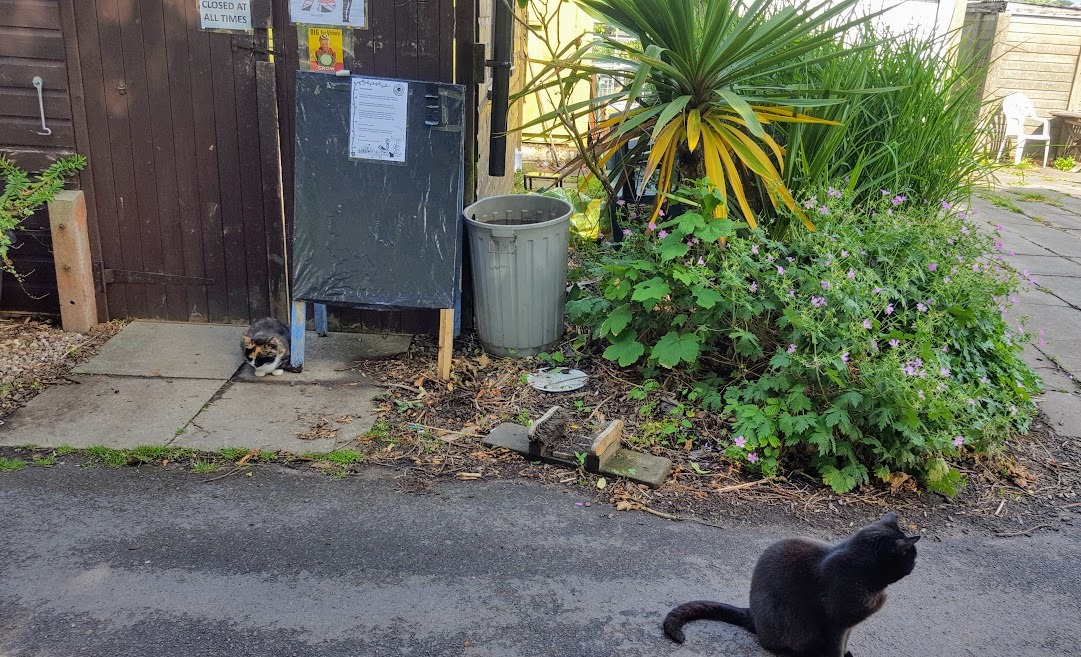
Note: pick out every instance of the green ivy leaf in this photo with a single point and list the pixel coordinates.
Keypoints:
(674, 348)
(653, 289)
(625, 352)
(616, 321)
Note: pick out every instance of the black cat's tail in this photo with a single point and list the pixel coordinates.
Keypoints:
(705, 610)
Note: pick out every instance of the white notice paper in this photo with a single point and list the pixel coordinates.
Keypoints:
(346, 13)
(377, 119)
(231, 15)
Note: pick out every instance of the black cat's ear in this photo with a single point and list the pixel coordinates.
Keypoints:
(889, 519)
(907, 541)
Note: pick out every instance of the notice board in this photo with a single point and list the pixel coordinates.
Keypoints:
(378, 192)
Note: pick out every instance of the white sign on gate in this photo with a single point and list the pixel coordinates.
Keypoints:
(225, 15)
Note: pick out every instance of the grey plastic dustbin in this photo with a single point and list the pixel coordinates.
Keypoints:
(518, 246)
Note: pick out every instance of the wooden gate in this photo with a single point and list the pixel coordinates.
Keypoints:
(190, 137)
(181, 131)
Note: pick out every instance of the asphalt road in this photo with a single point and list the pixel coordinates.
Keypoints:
(148, 562)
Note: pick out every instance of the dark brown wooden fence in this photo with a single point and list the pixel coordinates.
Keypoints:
(190, 139)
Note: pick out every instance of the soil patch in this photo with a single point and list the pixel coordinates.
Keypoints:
(35, 354)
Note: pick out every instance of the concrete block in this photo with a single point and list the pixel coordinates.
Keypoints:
(268, 417)
(168, 350)
(118, 412)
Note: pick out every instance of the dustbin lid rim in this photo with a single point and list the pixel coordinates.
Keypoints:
(564, 216)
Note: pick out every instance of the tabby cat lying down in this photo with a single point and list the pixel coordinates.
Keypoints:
(806, 595)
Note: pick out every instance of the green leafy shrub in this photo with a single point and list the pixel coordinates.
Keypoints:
(876, 344)
(22, 197)
(1065, 163)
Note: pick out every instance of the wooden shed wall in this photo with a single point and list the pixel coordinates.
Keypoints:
(32, 44)
(1041, 60)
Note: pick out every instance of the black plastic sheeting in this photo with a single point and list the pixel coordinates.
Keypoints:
(377, 234)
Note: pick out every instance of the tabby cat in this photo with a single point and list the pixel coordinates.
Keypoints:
(806, 595)
(266, 346)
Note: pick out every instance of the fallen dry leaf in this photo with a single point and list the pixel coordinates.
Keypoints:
(483, 361)
(467, 476)
(345, 419)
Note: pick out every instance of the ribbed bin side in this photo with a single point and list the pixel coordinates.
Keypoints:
(519, 255)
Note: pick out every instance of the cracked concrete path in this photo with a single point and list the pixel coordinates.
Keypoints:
(141, 561)
(1045, 239)
(185, 385)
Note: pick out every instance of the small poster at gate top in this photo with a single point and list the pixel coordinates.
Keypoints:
(225, 15)
(343, 13)
(325, 51)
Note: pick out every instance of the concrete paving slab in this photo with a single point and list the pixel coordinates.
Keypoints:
(332, 359)
(1055, 380)
(1067, 289)
(1056, 241)
(118, 412)
(168, 350)
(1037, 297)
(272, 417)
(1063, 411)
(1042, 265)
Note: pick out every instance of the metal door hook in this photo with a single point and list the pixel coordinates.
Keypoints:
(45, 130)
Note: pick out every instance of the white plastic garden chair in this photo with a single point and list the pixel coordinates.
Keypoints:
(1017, 108)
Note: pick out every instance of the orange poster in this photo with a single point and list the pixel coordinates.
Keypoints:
(325, 52)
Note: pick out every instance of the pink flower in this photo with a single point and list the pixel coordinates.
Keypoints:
(740, 442)
(792, 348)
(998, 228)
(701, 262)
(662, 213)
(919, 393)
(984, 379)
(964, 229)
(874, 345)
(945, 348)
(867, 324)
(899, 199)
(958, 441)
(754, 249)
(628, 232)
(943, 371)
(823, 210)
(825, 285)
(933, 266)
(818, 302)
(652, 226)
(894, 342)
(791, 293)
(621, 202)
(634, 215)
(851, 273)
(809, 203)
(876, 290)
(754, 286)
(844, 357)
(889, 309)
(946, 205)
(920, 307)
(780, 270)
(844, 254)
(752, 457)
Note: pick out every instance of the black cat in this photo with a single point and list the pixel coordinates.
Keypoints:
(806, 595)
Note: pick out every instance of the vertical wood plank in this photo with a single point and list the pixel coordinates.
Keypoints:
(77, 98)
(179, 17)
(273, 208)
(206, 166)
(406, 48)
(227, 150)
(138, 120)
(163, 132)
(118, 138)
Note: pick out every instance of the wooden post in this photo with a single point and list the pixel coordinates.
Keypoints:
(71, 254)
(446, 342)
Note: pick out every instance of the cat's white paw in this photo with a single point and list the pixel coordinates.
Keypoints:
(279, 372)
(258, 373)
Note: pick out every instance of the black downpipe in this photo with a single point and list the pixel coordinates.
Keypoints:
(502, 38)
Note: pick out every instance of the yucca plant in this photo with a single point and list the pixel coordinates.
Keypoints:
(698, 85)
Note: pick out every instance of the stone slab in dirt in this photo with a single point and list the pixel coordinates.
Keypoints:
(119, 412)
(333, 359)
(172, 351)
(267, 417)
(636, 466)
